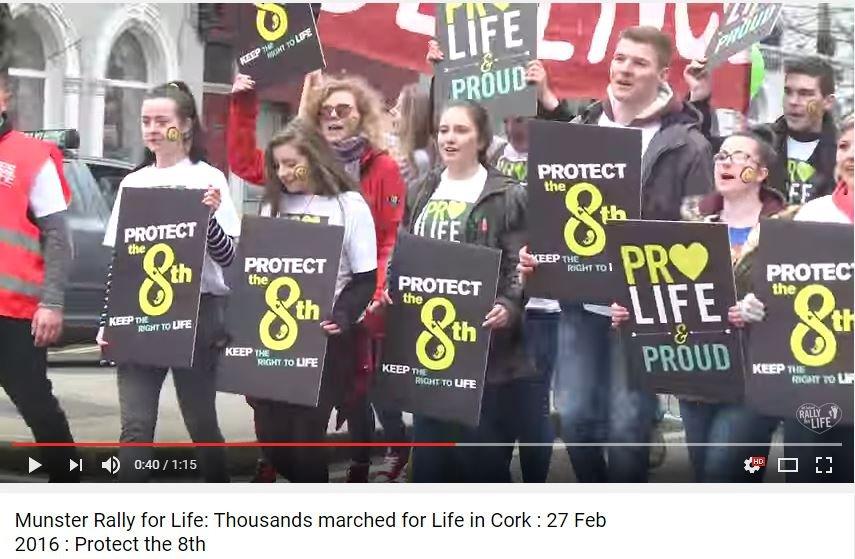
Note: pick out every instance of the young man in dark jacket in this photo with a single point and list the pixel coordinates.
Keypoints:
(591, 390)
(805, 136)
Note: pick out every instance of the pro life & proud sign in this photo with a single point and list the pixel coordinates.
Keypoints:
(154, 297)
(577, 189)
(486, 47)
(801, 353)
(435, 351)
(745, 23)
(678, 287)
(278, 42)
(283, 283)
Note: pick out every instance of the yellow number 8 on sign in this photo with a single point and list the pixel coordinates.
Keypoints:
(279, 18)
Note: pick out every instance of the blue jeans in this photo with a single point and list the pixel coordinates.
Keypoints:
(535, 425)
(725, 423)
(596, 403)
(500, 415)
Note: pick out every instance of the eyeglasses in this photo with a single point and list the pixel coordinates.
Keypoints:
(342, 110)
(737, 157)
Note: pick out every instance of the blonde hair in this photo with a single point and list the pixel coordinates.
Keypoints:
(368, 102)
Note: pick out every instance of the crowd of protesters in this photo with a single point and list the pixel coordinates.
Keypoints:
(345, 159)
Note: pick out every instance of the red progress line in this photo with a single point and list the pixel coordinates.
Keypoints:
(239, 444)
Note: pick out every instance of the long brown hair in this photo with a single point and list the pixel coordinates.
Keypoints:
(414, 126)
(368, 102)
(326, 176)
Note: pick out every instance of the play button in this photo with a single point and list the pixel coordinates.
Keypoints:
(33, 465)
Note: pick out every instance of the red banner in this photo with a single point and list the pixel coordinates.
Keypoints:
(576, 40)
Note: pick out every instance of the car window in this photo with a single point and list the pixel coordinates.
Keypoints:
(108, 178)
(86, 197)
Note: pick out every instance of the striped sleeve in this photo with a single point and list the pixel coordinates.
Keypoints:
(107, 285)
(221, 247)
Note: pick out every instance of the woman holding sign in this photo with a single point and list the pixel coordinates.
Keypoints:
(174, 157)
(348, 114)
(307, 181)
(833, 208)
(489, 210)
(741, 199)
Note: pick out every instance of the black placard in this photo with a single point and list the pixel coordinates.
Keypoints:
(744, 24)
(576, 191)
(801, 354)
(154, 296)
(678, 287)
(435, 351)
(278, 42)
(486, 48)
(283, 284)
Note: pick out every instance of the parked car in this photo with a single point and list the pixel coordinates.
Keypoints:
(94, 183)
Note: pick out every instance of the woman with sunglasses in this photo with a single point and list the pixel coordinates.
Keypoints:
(348, 113)
(741, 199)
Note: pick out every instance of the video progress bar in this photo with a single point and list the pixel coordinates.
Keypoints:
(346, 444)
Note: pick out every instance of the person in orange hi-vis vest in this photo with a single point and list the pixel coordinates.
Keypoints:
(35, 253)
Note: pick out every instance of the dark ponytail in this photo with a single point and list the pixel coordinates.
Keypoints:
(185, 106)
(481, 118)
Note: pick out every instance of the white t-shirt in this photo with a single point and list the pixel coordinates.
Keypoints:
(822, 209)
(800, 174)
(444, 216)
(189, 175)
(46, 195)
(359, 247)
(647, 131)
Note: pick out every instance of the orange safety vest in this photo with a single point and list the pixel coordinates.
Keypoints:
(22, 266)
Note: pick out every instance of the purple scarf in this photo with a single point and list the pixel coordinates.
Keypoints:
(349, 152)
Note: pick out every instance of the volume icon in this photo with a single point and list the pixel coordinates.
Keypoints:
(112, 465)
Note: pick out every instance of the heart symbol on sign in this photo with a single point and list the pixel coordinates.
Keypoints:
(690, 260)
(819, 419)
(455, 209)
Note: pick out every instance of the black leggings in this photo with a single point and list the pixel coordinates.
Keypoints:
(283, 422)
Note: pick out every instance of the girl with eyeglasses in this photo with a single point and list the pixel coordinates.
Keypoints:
(836, 207)
(348, 113)
(741, 199)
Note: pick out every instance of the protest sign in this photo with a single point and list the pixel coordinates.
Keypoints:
(678, 287)
(154, 296)
(801, 354)
(486, 47)
(744, 24)
(576, 190)
(283, 284)
(435, 351)
(278, 42)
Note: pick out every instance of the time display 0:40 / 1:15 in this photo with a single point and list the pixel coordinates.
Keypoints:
(165, 465)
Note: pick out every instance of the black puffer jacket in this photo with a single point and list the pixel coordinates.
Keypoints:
(497, 220)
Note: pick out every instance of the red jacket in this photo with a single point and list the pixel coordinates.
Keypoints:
(381, 183)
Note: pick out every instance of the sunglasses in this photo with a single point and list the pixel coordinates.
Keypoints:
(342, 110)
